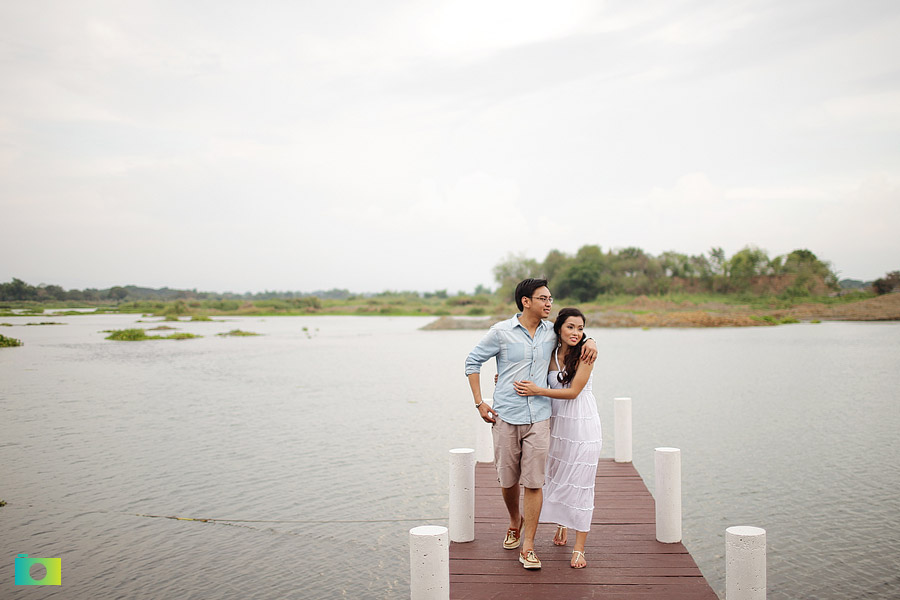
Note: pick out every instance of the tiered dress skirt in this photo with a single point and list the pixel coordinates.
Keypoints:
(575, 442)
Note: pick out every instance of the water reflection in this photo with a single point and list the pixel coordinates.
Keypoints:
(350, 420)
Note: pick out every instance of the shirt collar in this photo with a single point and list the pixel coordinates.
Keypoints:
(543, 324)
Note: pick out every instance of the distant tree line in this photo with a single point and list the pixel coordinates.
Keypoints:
(19, 291)
(584, 276)
(591, 273)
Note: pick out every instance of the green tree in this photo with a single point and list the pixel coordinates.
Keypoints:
(581, 280)
(18, 290)
(675, 264)
(744, 266)
(52, 292)
(717, 261)
(511, 271)
(118, 293)
(636, 272)
(554, 264)
(585, 277)
(718, 268)
(631, 261)
(887, 284)
(810, 274)
(702, 269)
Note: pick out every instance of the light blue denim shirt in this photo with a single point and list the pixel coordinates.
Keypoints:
(519, 356)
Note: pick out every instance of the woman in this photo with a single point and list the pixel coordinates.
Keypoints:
(575, 435)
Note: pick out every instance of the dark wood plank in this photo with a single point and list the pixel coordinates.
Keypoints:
(518, 591)
(624, 559)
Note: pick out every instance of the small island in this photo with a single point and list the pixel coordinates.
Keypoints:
(8, 342)
(139, 335)
(237, 333)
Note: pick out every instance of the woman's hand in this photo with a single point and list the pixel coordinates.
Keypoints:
(526, 388)
(589, 352)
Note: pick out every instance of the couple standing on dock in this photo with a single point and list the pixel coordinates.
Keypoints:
(545, 424)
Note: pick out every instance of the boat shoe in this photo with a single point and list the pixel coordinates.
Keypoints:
(529, 560)
(513, 537)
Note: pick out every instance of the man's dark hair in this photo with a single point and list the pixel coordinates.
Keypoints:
(526, 288)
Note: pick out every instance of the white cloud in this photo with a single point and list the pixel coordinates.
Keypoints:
(414, 146)
(861, 226)
(691, 190)
(873, 112)
(470, 28)
(707, 25)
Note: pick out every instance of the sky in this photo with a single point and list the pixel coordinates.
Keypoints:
(399, 145)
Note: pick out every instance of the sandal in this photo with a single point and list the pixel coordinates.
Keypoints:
(561, 536)
(574, 563)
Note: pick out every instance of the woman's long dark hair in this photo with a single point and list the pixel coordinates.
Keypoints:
(571, 361)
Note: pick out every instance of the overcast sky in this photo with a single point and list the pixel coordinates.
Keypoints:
(243, 146)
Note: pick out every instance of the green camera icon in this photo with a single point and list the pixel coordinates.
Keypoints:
(23, 570)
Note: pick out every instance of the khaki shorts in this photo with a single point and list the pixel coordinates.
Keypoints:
(520, 453)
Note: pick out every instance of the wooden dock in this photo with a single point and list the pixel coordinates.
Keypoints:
(624, 559)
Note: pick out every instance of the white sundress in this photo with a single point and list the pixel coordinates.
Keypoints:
(575, 442)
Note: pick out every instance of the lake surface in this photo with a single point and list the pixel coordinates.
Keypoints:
(326, 439)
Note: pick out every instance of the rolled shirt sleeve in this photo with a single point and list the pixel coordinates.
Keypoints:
(519, 356)
(487, 348)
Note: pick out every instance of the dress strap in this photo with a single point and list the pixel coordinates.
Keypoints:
(556, 358)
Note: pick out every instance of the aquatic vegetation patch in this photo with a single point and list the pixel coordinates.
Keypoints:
(139, 335)
(8, 342)
(237, 333)
(772, 320)
(181, 336)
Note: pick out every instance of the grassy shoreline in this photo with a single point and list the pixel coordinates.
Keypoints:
(672, 310)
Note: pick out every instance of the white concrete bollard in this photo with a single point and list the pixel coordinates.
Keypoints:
(484, 439)
(622, 408)
(462, 495)
(745, 563)
(429, 563)
(668, 495)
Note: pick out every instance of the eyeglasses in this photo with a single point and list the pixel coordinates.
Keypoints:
(544, 299)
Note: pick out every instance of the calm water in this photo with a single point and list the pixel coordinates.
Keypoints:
(328, 437)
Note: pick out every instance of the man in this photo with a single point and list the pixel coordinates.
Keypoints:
(523, 347)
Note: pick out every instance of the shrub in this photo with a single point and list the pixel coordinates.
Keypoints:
(307, 303)
(887, 284)
(768, 319)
